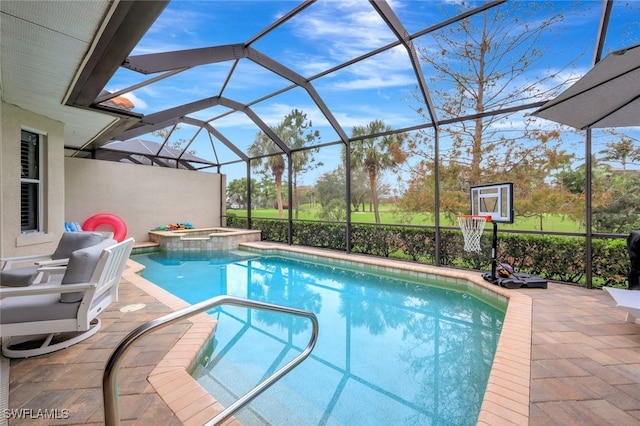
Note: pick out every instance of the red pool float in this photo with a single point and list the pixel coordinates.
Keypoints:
(118, 225)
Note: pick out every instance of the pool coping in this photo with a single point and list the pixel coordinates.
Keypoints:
(506, 398)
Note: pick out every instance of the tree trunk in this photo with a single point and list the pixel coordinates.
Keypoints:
(476, 149)
(374, 194)
(476, 152)
(278, 177)
(295, 195)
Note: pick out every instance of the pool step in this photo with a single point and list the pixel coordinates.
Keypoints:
(278, 405)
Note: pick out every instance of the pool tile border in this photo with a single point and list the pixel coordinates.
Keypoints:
(506, 399)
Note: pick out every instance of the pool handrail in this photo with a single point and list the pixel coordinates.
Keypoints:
(110, 378)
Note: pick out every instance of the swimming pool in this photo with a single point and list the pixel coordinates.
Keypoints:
(390, 351)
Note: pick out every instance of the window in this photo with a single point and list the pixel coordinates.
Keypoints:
(30, 182)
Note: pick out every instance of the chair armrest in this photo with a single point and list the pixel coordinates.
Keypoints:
(45, 273)
(44, 289)
(7, 261)
(53, 269)
(56, 262)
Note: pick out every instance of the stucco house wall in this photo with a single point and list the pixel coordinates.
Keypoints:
(74, 189)
(143, 196)
(12, 242)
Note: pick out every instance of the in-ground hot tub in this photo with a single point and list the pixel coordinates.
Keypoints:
(204, 239)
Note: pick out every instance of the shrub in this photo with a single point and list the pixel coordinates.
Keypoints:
(319, 234)
(272, 229)
(375, 240)
(417, 243)
(558, 258)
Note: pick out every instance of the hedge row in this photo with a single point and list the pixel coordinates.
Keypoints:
(557, 258)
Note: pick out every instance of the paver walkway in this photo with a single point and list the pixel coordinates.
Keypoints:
(585, 367)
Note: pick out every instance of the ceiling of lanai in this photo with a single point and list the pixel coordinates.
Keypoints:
(76, 61)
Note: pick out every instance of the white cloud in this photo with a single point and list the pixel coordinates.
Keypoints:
(346, 28)
(174, 28)
(374, 82)
(139, 103)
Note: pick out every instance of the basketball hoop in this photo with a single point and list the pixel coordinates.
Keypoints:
(472, 227)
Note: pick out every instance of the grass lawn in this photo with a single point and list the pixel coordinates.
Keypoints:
(551, 223)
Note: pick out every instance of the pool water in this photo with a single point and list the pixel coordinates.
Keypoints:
(390, 351)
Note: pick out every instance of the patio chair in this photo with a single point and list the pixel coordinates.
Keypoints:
(39, 266)
(63, 311)
(629, 300)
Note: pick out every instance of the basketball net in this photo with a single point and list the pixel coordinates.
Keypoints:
(472, 228)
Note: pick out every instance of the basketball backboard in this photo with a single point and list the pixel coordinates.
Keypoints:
(495, 200)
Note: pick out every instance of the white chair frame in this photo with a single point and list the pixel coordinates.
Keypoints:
(99, 292)
(628, 300)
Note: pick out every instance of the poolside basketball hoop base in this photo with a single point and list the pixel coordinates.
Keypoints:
(493, 203)
(472, 227)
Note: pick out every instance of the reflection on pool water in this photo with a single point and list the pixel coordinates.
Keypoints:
(390, 351)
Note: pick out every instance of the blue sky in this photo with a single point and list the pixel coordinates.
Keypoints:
(324, 35)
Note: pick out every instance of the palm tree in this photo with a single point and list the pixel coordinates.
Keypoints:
(376, 154)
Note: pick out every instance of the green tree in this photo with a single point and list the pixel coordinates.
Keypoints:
(481, 64)
(618, 206)
(616, 200)
(360, 190)
(272, 165)
(237, 192)
(331, 186)
(335, 210)
(622, 151)
(264, 194)
(544, 199)
(376, 154)
(296, 132)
